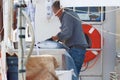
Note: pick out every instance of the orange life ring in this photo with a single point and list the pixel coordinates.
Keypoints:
(94, 41)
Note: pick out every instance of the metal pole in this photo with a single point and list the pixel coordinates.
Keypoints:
(102, 28)
(21, 42)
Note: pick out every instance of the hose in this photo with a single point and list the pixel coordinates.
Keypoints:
(33, 37)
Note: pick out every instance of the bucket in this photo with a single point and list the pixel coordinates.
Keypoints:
(12, 72)
(64, 74)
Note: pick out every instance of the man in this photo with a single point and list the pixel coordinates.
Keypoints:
(71, 34)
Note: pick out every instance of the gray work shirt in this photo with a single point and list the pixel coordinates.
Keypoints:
(71, 29)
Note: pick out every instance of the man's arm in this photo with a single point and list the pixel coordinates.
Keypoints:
(66, 29)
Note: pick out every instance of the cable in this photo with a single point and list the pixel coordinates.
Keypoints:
(92, 12)
(91, 66)
(111, 33)
(86, 67)
(90, 24)
(33, 38)
(82, 11)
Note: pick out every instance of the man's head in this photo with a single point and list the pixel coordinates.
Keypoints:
(56, 8)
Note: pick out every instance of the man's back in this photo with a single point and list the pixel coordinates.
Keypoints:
(71, 19)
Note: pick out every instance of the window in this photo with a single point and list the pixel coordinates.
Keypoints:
(90, 14)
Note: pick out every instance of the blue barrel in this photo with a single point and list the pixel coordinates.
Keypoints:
(12, 72)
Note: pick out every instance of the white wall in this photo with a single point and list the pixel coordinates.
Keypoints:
(109, 51)
(44, 28)
(118, 31)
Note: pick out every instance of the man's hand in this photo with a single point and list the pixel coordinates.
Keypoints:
(55, 38)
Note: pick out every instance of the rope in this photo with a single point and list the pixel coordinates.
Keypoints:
(90, 24)
(96, 12)
(87, 66)
(92, 65)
